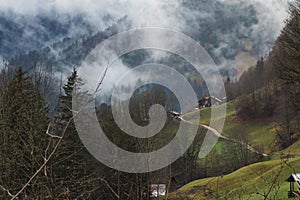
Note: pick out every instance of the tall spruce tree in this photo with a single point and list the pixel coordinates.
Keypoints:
(72, 167)
(23, 139)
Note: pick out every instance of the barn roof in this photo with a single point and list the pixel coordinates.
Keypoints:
(294, 178)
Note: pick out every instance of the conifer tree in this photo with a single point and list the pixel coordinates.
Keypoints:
(23, 139)
(72, 166)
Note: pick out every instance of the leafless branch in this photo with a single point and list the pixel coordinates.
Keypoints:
(56, 146)
(110, 188)
(45, 162)
(51, 135)
(102, 79)
(6, 190)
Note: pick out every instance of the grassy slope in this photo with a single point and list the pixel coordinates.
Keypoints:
(291, 151)
(225, 156)
(245, 183)
(256, 132)
(248, 182)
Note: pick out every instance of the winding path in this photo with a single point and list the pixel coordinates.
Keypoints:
(218, 134)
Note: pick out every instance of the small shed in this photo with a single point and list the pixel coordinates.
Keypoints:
(292, 179)
(158, 190)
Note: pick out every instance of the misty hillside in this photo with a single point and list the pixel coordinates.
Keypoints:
(20, 33)
(234, 33)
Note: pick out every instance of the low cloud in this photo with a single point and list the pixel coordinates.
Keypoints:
(170, 14)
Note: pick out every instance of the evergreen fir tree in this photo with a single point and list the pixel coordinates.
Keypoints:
(23, 138)
(72, 164)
